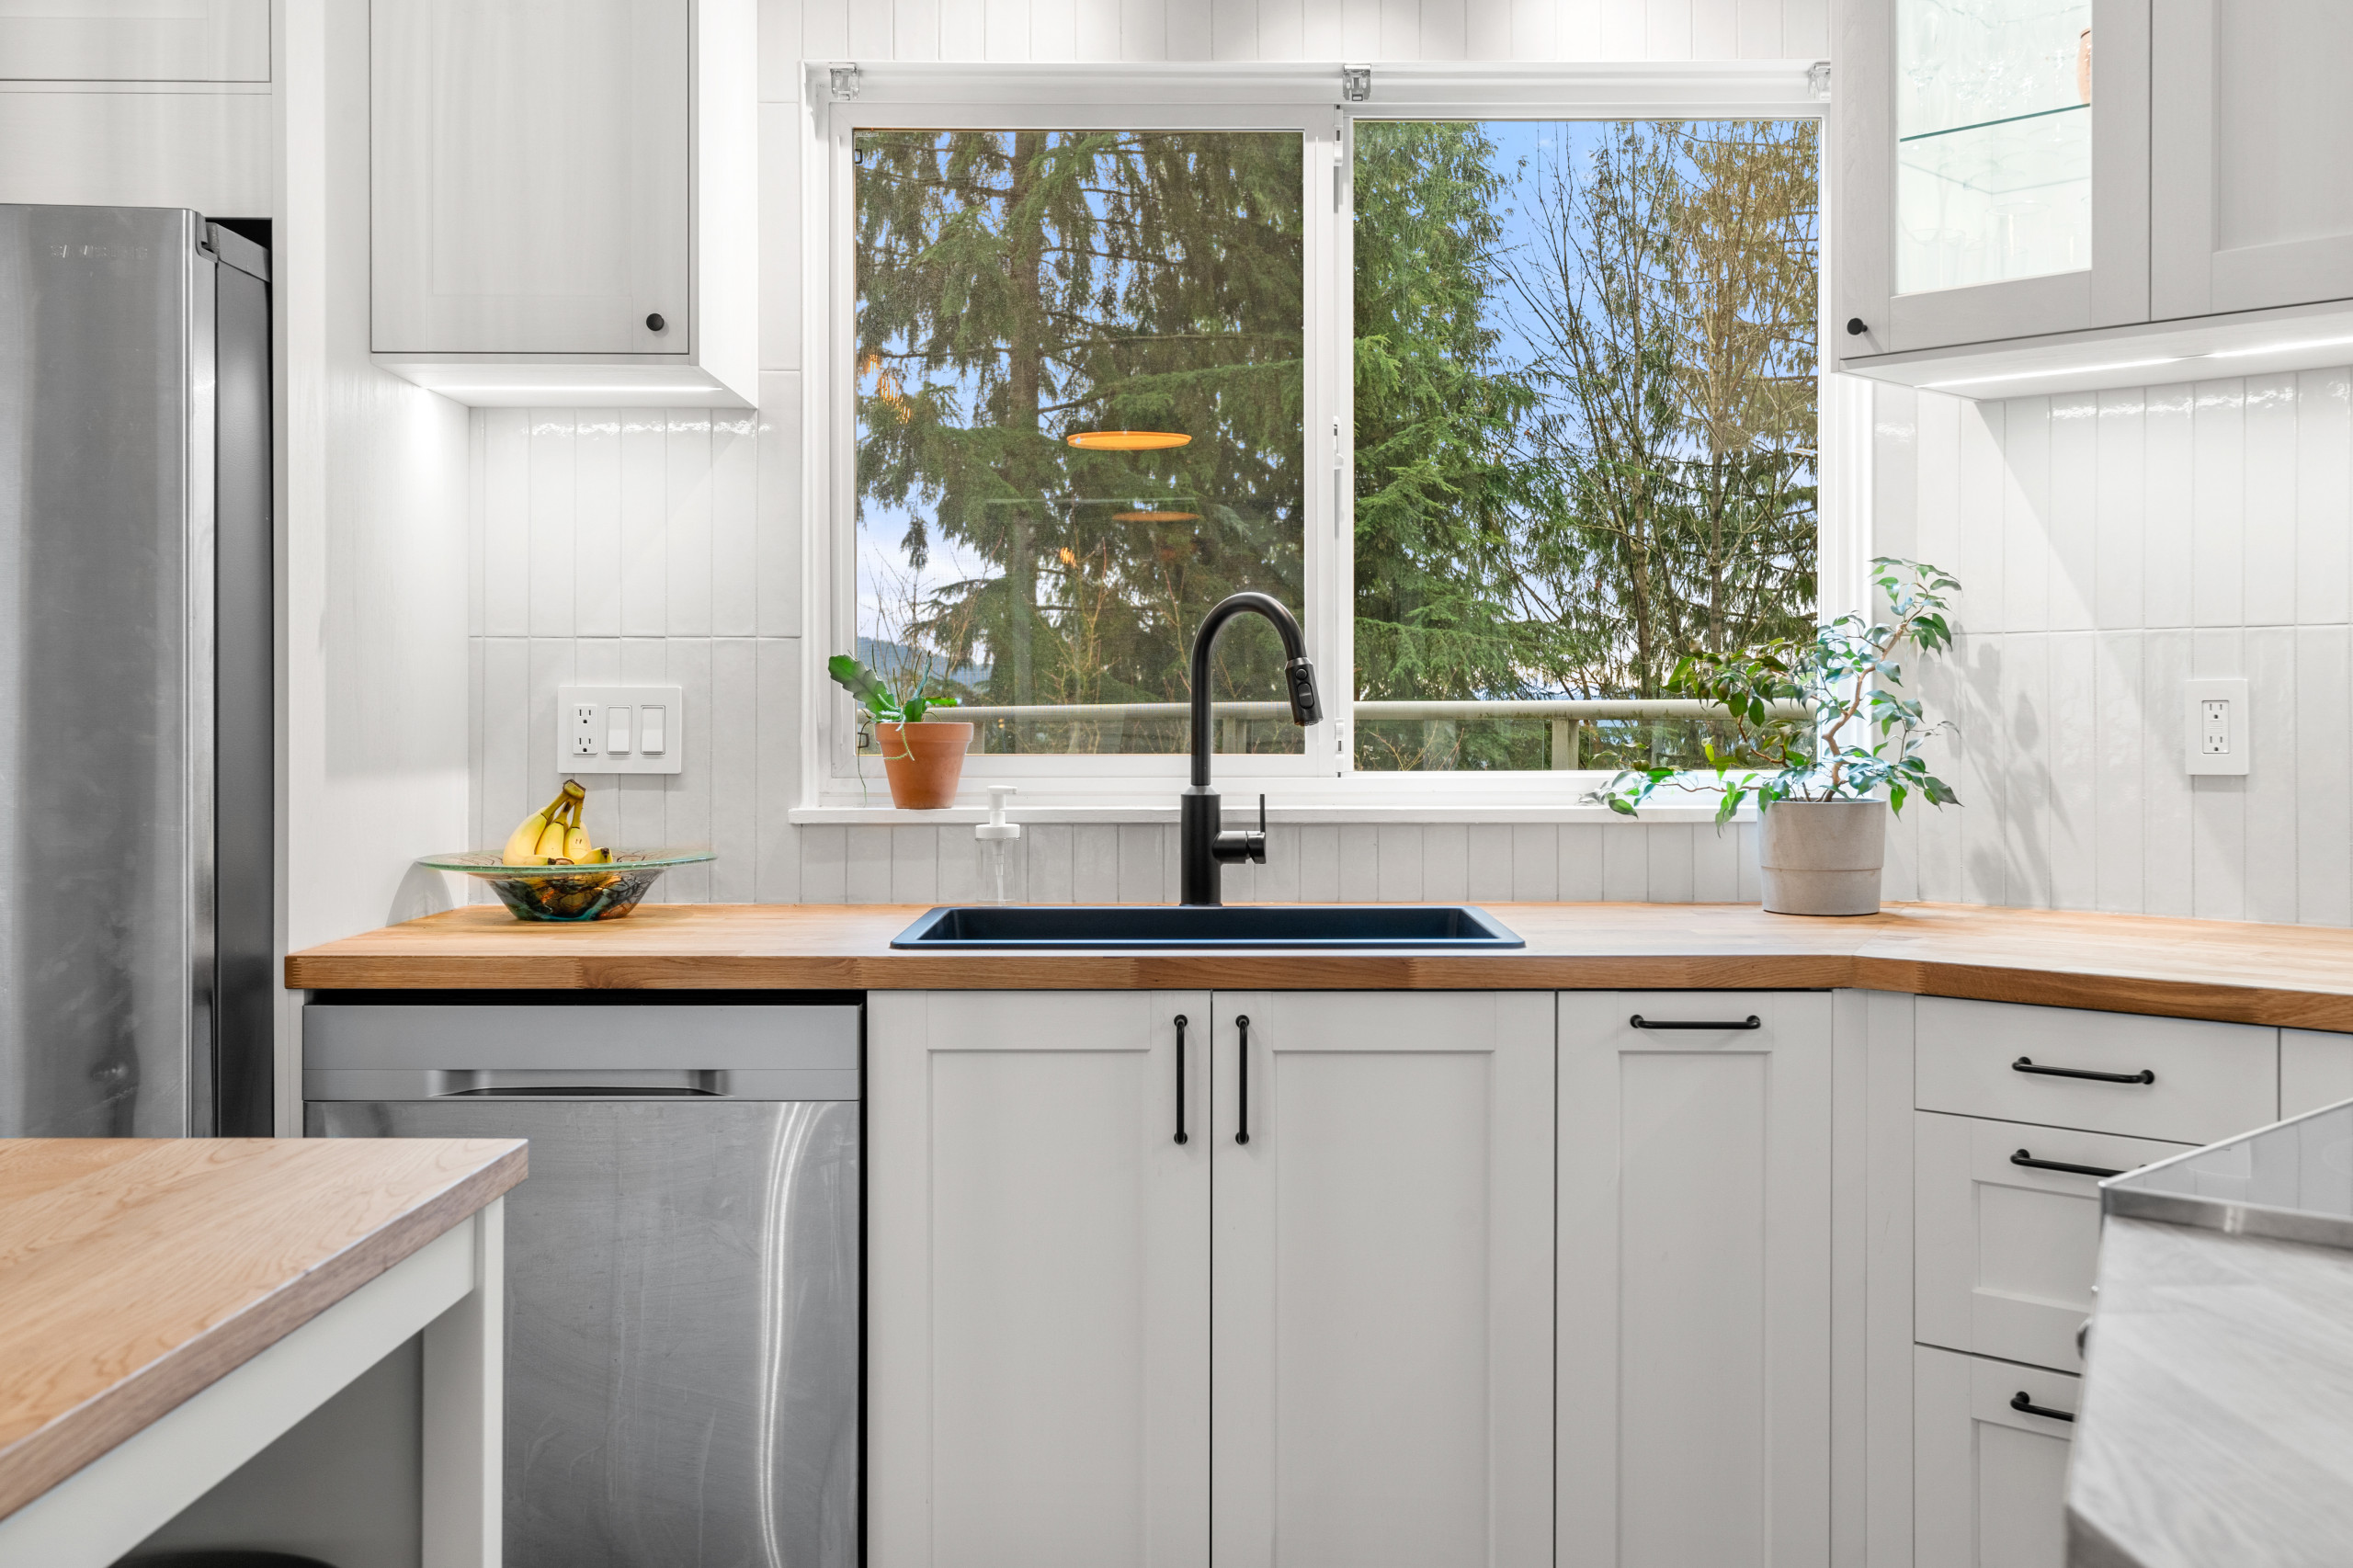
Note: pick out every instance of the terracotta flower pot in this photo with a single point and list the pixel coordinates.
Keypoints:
(1822, 857)
(924, 761)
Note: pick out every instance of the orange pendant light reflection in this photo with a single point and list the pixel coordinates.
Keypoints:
(1155, 516)
(1127, 440)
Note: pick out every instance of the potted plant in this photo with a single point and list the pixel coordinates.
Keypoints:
(1820, 794)
(924, 761)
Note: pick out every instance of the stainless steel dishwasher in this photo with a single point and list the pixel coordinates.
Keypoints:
(682, 1292)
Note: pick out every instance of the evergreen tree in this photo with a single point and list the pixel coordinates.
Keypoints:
(1017, 287)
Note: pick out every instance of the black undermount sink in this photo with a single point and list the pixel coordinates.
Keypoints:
(1448, 925)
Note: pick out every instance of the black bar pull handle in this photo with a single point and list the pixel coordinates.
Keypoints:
(2018, 1401)
(1242, 1082)
(1639, 1022)
(2026, 1065)
(2023, 1158)
(1180, 1080)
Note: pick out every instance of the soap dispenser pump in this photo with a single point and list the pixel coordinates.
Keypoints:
(996, 833)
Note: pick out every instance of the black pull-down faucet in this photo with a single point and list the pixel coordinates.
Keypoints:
(1206, 847)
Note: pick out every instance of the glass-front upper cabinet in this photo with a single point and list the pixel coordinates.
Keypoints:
(1993, 140)
(1997, 155)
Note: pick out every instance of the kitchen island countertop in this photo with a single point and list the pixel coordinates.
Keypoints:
(136, 1273)
(2290, 975)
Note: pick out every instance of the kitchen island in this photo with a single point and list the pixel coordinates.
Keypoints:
(2217, 1423)
(170, 1307)
(2293, 976)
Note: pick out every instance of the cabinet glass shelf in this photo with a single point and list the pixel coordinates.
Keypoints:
(1993, 150)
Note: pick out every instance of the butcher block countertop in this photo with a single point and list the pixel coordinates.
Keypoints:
(135, 1273)
(2203, 969)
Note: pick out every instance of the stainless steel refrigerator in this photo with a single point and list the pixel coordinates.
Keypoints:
(136, 715)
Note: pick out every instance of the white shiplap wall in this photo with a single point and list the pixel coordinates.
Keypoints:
(2112, 545)
(645, 545)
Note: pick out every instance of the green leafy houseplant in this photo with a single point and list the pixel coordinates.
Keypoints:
(923, 762)
(1857, 734)
(875, 695)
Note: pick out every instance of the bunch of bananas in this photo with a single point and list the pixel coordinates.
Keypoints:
(552, 834)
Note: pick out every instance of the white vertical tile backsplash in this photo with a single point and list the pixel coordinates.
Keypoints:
(2111, 545)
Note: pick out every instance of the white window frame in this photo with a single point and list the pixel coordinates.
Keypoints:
(1305, 100)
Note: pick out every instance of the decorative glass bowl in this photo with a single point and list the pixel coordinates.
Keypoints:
(604, 892)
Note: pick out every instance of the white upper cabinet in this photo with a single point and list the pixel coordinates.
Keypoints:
(2255, 143)
(1999, 170)
(562, 199)
(171, 40)
(2040, 196)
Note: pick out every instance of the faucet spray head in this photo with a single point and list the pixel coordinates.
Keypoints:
(1299, 674)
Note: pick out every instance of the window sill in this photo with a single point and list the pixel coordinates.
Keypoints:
(1241, 810)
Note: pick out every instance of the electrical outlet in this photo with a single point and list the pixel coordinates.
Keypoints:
(620, 729)
(2214, 720)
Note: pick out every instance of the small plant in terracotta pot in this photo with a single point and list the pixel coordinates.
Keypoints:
(922, 760)
(1822, 804)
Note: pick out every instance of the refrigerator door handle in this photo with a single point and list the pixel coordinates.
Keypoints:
(614, 1083)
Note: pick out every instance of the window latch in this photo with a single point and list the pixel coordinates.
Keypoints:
(1356, 83)
(1817, 80)
(845, 82)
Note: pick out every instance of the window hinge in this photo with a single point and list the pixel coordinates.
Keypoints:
(1356, 83)
(1817, 79)
(844, 83)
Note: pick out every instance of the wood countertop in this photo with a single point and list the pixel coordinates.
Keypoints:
(2296, 975)
(135, 1273)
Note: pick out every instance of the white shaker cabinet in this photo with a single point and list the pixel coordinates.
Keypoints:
(563, 202)
(1694, 1279)
(1990, 1451)
(1994, 167)
(2252, 142)
(1038, 1281)
(1383, 1279)
(1057, 1303)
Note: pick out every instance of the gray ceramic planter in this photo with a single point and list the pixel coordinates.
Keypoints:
(1822, 857)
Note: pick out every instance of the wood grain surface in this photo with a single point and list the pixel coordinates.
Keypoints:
(2297, 975)
(134, 1273)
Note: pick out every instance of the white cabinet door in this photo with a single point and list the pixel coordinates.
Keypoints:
(530, 176)
(1989, 1479)
(2007, 1241)
(1924, 206)
(1695, 1280)
(2254, 144)
(1037, 1279)
(1383, 1279)
(166, 40)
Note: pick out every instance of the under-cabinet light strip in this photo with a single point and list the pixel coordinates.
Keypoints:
(2042, 375)
(2296, 348)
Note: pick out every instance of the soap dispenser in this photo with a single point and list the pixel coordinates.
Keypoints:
(996, 833)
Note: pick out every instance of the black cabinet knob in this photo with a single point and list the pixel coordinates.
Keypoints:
(1856, 326)
(656, 324)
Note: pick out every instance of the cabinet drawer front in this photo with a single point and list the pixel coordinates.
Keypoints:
(2209, 1081)
(2005, 1253)
(1990, 1480)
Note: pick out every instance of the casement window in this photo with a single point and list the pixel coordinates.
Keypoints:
(1509, 387)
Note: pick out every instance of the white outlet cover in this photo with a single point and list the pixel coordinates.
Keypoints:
(602, 730)
(2231, 691)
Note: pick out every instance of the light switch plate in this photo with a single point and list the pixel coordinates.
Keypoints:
(603, 729)
(2214, 735)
